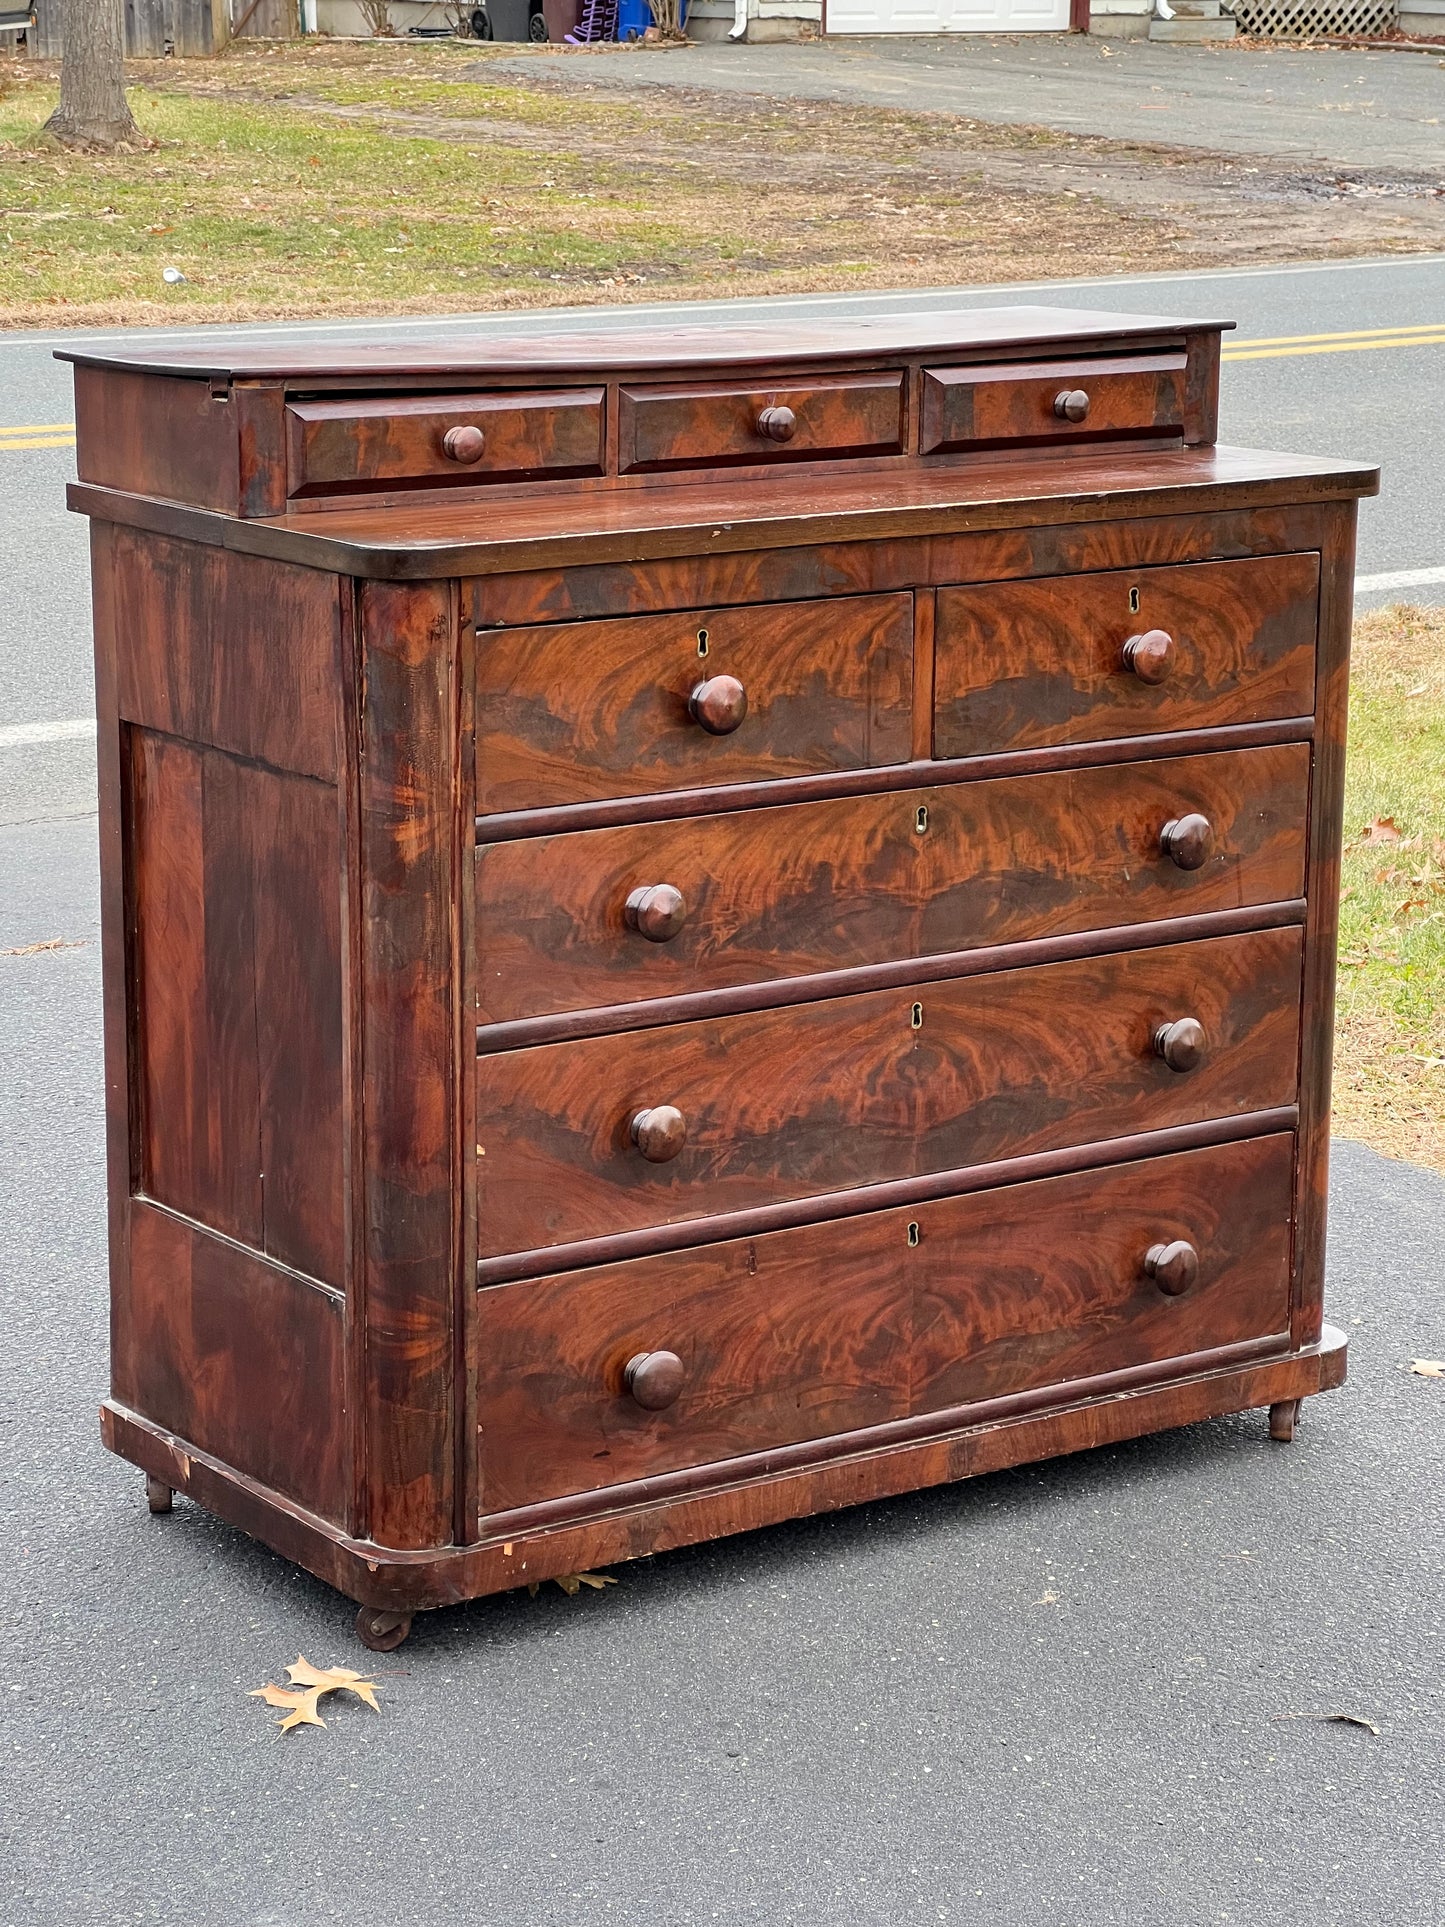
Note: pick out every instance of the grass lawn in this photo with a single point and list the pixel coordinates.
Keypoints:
(321, 176)
(1390, 1048)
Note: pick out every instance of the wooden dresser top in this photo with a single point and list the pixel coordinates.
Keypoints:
(961, 331)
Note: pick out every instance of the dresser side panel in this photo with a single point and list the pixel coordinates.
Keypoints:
(1332, 679)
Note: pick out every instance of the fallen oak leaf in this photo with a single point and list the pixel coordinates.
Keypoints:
(572, 1582)
(1383, 829)
(303, 1707)
(302, 1699)
(338, 1679)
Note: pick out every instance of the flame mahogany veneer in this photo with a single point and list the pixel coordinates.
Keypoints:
(702, 925)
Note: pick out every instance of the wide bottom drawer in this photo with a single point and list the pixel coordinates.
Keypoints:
(802, 1334)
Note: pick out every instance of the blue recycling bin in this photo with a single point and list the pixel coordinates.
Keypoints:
(634, 17)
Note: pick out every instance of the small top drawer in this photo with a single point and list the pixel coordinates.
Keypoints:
(712, 424)
(1029, 403)
(579, 712)
(439, 441)
(1126, 652)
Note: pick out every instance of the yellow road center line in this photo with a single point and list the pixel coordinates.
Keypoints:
(1334, 348)
(1346, 334)
(36, 441)
(37, 428)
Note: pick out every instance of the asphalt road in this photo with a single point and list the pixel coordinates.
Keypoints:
(1092, 1693)
(1086, 1693)
(1375, 110)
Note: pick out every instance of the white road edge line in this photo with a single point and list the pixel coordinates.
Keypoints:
(75, 728)
(24, 735)
(495, 320)
(1398, 579)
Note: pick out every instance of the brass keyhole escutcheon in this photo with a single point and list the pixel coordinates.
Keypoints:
(920, 820)
(702, 642)
(1133, 602)
(916, 1017)
(913, 1234)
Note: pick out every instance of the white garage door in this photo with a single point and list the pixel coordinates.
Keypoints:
(947, 16)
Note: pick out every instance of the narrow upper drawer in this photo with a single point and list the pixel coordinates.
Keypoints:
(437, 441)
(596, 1136)
(1078, 658)
(1052, 401)
(710, 424)
(594, 918)
(577, 712)
(798, 1334)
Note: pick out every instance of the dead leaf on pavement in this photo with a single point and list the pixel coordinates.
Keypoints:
(1334, 1719)
(572, 1582)
(337, 1680)
(50, 943)
(1428, 1367)
(302, 1699)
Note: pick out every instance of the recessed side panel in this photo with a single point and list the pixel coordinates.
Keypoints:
(235, 999)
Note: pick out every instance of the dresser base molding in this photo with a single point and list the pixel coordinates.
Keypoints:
(421, 1581)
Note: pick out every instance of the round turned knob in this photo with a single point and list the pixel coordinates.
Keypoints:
(1072, 405)
(1181, 1044)
(463, 444)
(778, 424)
(656, 911)
(659, 1133)
(1187, 841)
(1173, 1267)
(719, 704)
(1150, 656)
(654, 1379)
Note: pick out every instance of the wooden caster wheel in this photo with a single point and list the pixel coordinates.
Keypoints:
(381, 1632)
(158, 1494)
(1283, 1418)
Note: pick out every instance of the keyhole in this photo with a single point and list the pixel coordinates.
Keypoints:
(920, 820)
(913, 1234)
(916, 1019)
(702, 642)
(1133, 602)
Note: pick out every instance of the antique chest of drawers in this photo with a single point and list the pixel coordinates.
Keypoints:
(702, 926)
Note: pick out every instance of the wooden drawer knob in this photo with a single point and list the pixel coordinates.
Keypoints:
(719, 704)
(463, 445)
(1187, 841)
(656, 911)
(1072, 405)
(659, 1133)
(1150, 656)
(778, 424)
(1174, 1267)
(1181, 1044)
(654, 1379)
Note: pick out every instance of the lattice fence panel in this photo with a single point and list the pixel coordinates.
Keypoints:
(1313, 19)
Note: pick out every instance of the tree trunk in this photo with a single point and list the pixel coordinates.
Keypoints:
(93, 110)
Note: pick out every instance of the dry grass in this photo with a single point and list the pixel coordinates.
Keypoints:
(1390, 1034)
(324, 177)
